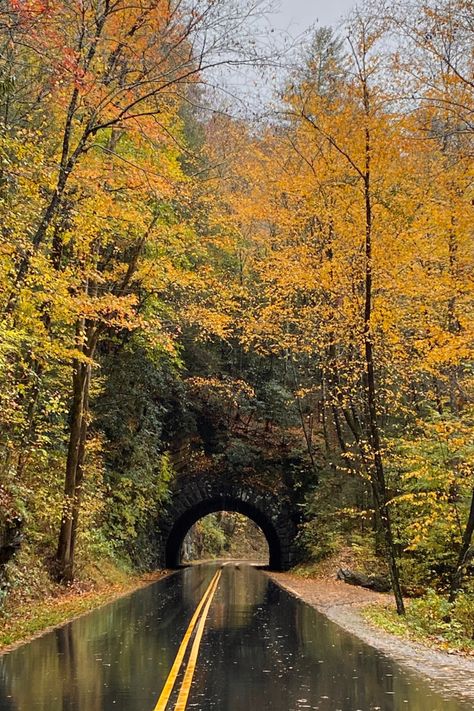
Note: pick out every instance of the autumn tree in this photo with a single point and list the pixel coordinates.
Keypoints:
(300, 287)
(334, 206)
(434, 58)
(105, 85)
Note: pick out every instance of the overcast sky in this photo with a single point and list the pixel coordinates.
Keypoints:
(290, 22)
(298, 15)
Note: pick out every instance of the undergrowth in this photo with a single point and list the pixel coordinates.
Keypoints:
(32, 602)
(432, 620)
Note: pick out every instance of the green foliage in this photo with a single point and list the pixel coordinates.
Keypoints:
(431, 466)
(206, 539)
(433, 619)
(225, 534)
(27, 576)
(416, 573)
(430, 614)
(336, 515)
(318, 540)
(212, 536)
(277, 403)
(463, 612)
(137, 410)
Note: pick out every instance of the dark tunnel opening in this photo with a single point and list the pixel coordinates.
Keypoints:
(184, 523)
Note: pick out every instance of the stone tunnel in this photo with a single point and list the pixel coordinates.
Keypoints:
(195, 496)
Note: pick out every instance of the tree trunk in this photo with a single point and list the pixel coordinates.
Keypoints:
(87, 336)
(80, 468)
(377, 470)
(65, 551)
(306, 432)
(463, 552)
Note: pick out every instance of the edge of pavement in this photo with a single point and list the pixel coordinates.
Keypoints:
(67, 607)
(341, 603)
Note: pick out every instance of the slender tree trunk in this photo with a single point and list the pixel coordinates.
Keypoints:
(87, 336)
(306, 432)
(453, 322)
(377, 470)
(65, 553)
(463, 552)
(437, 396)
(76, 506)
(324, 418)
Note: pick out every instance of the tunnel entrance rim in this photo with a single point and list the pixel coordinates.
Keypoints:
(195, 496)
(221, 503)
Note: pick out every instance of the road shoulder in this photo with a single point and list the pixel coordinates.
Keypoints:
(36, 618)
(343, 603)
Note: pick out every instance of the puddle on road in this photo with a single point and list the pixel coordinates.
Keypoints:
(262, 649)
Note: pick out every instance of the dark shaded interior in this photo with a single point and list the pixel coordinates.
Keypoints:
(221, 503)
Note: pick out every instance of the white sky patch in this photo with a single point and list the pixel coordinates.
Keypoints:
(298, 15)
(247, 91)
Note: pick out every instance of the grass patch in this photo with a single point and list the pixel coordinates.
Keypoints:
(431, 620)
(307, 570)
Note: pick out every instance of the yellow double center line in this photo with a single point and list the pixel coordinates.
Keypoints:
(205, 603)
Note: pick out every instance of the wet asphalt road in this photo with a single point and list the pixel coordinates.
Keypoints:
(261, 649)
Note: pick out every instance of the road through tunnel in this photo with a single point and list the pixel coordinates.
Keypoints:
(196, 497)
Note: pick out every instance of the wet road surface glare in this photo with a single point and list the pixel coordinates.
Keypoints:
(254, 647)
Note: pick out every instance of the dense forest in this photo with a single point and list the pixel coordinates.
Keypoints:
(181, 284)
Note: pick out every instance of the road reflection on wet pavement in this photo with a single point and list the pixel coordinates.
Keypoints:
(261, 649)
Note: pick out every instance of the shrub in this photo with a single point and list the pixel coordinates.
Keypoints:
(430, 614)
(463, 613)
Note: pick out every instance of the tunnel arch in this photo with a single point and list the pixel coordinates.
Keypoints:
(195, 498)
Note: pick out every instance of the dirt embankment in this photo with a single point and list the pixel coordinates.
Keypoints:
(343, 603)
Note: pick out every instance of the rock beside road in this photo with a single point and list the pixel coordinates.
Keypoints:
(371, 582)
